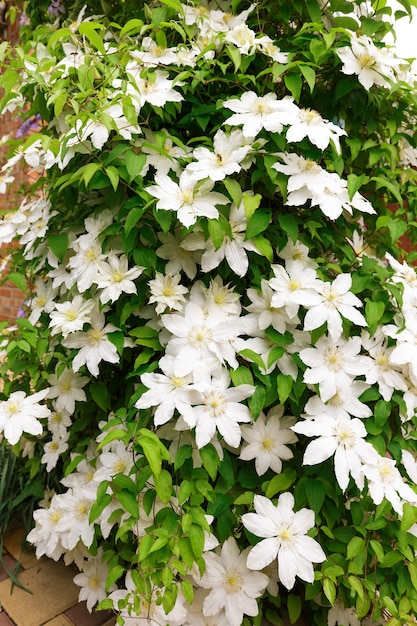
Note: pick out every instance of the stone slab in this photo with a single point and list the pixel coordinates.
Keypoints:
(48, 580)
(13, 543)
(61, 620)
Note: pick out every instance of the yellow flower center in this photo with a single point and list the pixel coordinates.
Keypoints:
(233, 581)
(117, 277)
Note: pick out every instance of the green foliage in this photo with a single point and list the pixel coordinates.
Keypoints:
(162, 484)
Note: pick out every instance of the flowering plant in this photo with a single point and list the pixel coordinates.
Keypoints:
(216, 377)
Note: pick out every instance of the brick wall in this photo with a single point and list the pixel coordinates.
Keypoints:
(10, 296)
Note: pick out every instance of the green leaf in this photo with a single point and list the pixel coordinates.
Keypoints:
(88, 172)
(89, 30)
(98, 507)
(251, 202)
(210, 460)
(234, 54)
(187, 591)
(355, 183)
(183, 453)
(250, 355)
(355, 546)
(373, 312)
(216, 232)
(114, 435)
(234, 190)
(392, 188)
(58, 244)
(113, 175)
(134, 163)
(185, 490)
(100, 394)
(397, 229)
(289, 225)
(294, 84)
(284, 385)
(409, 517)
(316, 493)
(356, 585)
(382, 411)
(412, 570)
(281, 482)
(163, 485)
(114, 574)
(294, 606)
(196, 536)
(133, 217)
(263, 245)
(153, 449)
(241, 376)
(132, 26)
(378, 550)
(258, 223)
(329, 589)
(257, 400)
(309, 74)
(19, 280)
(129, 502)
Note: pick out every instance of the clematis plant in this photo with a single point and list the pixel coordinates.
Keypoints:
(212, 388)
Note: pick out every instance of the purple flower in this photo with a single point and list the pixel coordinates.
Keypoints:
(28, 125)
(55, 9)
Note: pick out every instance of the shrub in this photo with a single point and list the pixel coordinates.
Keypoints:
(214, 377)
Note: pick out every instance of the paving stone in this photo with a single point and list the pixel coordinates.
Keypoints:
(79, 616)
(13, 542)
(61, 620)
(5, 620)
(53, 592)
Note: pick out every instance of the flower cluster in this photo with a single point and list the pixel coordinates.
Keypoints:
(216, 377)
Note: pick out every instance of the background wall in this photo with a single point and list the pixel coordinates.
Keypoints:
(10, 297)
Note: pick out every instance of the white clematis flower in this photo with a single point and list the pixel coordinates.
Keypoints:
(21, 413)
(233, 586)
(261, 112)
(285, 538)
